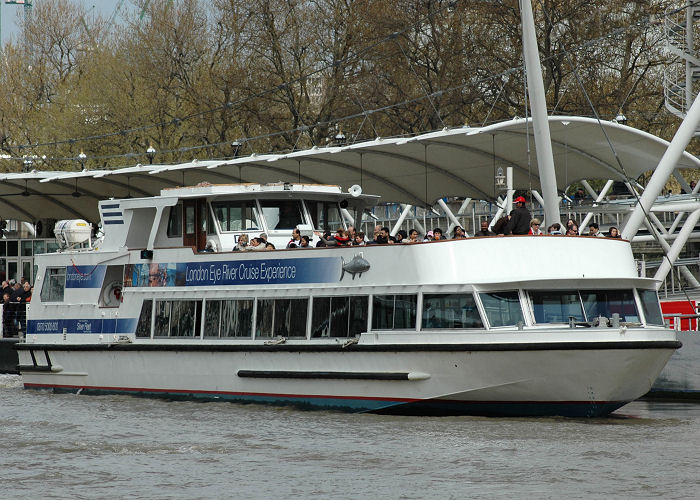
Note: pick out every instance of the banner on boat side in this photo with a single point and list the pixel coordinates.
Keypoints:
(85, 276)
(248, 272)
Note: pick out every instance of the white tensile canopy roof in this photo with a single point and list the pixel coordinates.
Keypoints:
(416, 170)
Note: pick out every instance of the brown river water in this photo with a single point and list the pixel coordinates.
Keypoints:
(76, 446)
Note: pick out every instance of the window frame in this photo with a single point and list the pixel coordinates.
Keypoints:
(47, 294)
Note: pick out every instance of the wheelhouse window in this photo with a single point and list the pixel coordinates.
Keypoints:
(54, 284)
(236, 215)
(394, 312)
(282, 214)
(651, 307)
(450, 311)
(229, 318)
(324, 215)
(339, 316)
(175, 221)
(555, 306)
(502, 308)
(608, 302)
(281, 317)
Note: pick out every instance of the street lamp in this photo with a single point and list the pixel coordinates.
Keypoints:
(81, 158)
(236, 145)
(340, 138)
(151, 153)
(28, 163)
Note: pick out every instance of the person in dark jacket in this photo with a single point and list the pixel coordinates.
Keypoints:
(485, 231)
(8, 316)
(519, 222)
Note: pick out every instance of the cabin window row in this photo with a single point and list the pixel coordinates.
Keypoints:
(344, 317)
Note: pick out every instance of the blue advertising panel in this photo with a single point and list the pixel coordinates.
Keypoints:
(85, 276)
(106, 325)
(241, 272)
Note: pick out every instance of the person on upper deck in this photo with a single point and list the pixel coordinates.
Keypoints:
(614, 233)
(535, 227)
(428, 236)
(256, 244)
(437, 234)
(382, 238)
(594, 231)
(242, 244)
(499, 226)
(359, 239)
(484, 231)
(341, 237)
(296, 238)
(458, 233)
(519, 222)
(401, 236)
(554, 229)
(412, 237)
(572, 230)
(305, 242)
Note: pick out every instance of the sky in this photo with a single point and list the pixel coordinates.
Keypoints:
(10, 13)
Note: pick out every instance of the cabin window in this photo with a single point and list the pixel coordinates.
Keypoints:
(54, 284)
(229, 318)
(502, 308)
(175, 221)
(324, 215)
(281, 317)
(143, 327)
(235, 215)
(651, 307)
(450, 311)
(554, 306)
(178, 318)
(608, 302)
(339, 316)
(394, 312)
(282, 214)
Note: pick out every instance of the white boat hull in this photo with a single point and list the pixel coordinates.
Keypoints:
(574, 379)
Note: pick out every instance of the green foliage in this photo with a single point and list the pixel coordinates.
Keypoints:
(281, 74)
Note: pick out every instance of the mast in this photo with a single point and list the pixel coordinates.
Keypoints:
(540, 121)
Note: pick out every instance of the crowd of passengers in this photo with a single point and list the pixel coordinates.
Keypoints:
(15, 297)
(518, 221)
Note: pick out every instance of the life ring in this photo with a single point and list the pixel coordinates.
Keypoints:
(112, 294)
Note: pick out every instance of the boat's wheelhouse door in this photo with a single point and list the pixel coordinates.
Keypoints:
(194, 223)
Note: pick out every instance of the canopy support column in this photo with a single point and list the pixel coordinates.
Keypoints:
(668, 251)
(598, 198)
(663, 171)
(540, 121)
(449, 214)
(404, 213)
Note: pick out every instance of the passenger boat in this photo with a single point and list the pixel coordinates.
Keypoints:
(514, 325)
